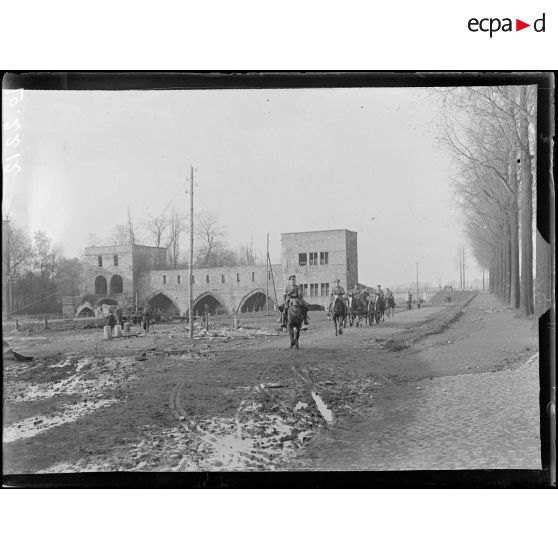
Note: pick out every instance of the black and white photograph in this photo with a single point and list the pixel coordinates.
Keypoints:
(270, 273)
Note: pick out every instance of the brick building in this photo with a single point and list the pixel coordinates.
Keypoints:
(120, 274)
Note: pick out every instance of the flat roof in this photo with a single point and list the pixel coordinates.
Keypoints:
(322, 231)
(124, 245)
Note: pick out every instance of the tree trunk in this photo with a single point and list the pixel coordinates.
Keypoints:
(514, 256)
(526, 293)
(507, 263)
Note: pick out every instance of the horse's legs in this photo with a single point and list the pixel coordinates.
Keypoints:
(291, 335)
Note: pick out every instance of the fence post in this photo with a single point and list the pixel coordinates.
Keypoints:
(46, 322)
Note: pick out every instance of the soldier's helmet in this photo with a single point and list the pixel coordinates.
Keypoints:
(292, 277)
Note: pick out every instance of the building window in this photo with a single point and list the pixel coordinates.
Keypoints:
(222, 278)
(322, 289)
(207, 278)
(164, 279)
(314, 290)
(327, 289)
(100, 260)
(253, 276)
(302, 259)
(238, 277)
(116, 285)
(304, 289)
(100, 285)
(178, 279)
(115, 258)
(324, 258)
(313, 258)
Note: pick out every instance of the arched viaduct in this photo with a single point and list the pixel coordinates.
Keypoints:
(223, 289)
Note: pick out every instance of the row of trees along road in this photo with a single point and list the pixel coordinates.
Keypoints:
(490, 132)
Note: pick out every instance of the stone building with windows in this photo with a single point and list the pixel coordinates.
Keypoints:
(121, 274)
(317, 258)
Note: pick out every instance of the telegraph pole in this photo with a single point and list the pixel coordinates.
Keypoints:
(267, 278)
(191, 265)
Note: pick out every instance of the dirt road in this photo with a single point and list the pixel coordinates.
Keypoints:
(244, 401)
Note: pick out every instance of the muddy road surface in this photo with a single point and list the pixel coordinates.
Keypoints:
(242, 400)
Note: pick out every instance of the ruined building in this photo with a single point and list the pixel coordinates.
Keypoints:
(128, 273)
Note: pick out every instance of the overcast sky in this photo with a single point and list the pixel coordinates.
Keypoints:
(268, 161)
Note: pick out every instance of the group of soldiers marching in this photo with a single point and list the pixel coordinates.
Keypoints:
(296, 292)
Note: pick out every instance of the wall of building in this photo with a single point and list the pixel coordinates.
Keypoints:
(240, 282)
(340, 246)
(133, 261)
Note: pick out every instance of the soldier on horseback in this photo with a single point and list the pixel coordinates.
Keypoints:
(338, 290)
(294, 291)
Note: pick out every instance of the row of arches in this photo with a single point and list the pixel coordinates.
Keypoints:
(116, 285)
(253, 302)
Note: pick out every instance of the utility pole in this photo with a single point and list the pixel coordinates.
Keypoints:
(267, 278)
(191, 265)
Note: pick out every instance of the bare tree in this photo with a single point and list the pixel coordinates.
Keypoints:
(119, 235)
(210, 235)
(488, 131)
(20, 250)
(130, 227)
(156, 226)
(247, 254)
(176, 226)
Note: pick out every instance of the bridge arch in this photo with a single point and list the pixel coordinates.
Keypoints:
(164, 303)
(254, 301)
(107, 301)
(214, 301)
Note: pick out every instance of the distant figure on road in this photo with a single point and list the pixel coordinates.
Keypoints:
(409, 300)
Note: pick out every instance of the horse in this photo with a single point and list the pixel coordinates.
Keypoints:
(362, 311)
(352, 309)
(295, 320)
(390, 306)
(339, 315)
(373, 309)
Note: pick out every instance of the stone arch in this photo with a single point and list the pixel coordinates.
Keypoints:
(215, 302)
(254, 301)
(164, 303)
(100, 285)
(85, 310)
(116, 285)
(107, 301)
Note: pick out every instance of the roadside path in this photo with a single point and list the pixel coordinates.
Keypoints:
(473, 420)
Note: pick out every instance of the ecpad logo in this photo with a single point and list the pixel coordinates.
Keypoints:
(494, 24)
